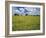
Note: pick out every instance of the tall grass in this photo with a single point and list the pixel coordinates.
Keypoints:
(25, 23)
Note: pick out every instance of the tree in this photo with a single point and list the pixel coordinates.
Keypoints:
(26, 14)
(16, 14)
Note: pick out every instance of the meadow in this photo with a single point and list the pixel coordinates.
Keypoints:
(20, 23)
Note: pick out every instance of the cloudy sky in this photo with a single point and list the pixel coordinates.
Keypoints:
(26, 10)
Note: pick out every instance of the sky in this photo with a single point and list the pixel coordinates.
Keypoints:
(26, 10)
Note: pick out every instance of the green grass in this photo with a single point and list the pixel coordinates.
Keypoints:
(25, 23)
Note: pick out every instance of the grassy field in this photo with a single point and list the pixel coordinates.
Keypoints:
(25, 23)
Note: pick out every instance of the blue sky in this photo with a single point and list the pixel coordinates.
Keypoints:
(26, 10)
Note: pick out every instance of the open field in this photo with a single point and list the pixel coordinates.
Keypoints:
(25, 23)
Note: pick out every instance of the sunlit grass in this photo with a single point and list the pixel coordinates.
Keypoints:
(25, 23)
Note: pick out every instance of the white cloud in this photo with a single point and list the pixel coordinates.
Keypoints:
(21, 9)
(29, 9)
(34, 9)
